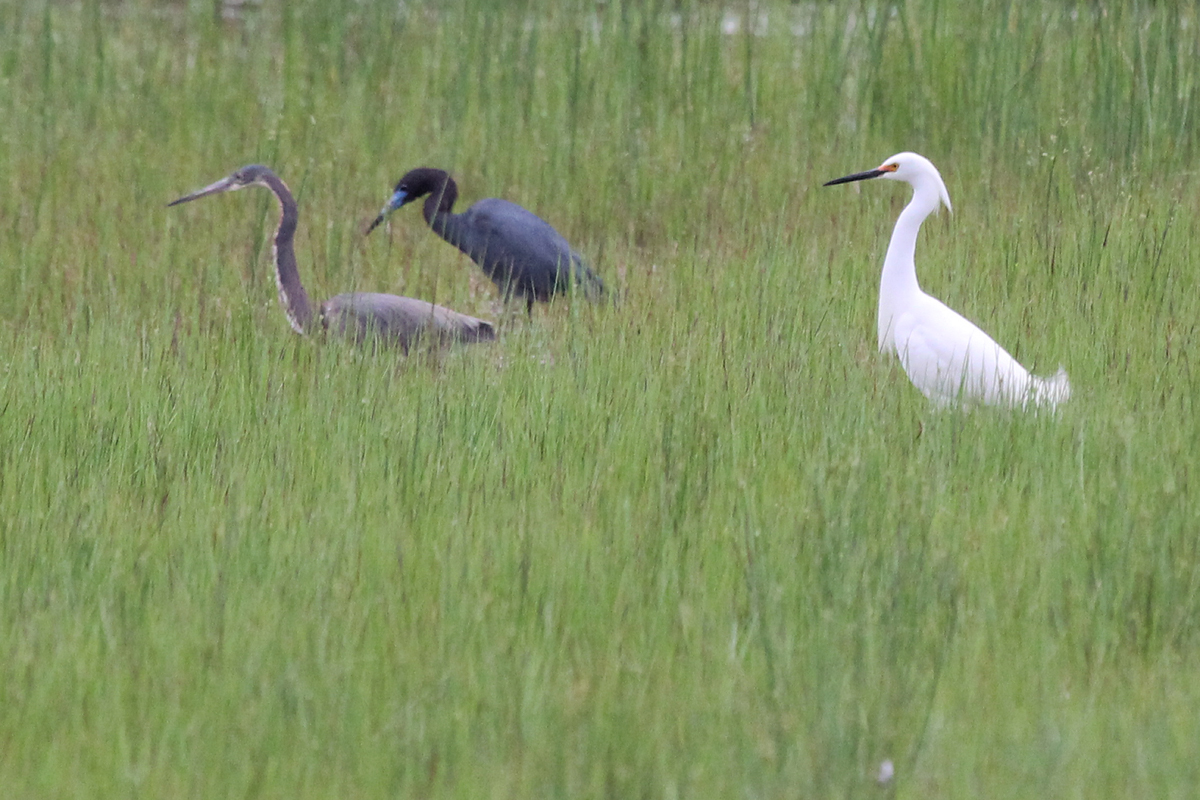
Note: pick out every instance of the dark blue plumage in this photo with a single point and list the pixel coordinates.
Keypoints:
(519, 251)
(360, 316)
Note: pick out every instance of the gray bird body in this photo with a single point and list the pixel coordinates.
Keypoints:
(359, 316)
(521, 253)
(518, 250)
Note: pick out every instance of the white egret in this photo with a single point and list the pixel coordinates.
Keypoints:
(945, 355)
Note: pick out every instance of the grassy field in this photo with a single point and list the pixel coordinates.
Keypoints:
(706, 544)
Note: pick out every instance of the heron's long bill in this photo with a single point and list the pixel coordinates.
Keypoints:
(859, 176)
(223, 185)
(377, 222)
(398, 199)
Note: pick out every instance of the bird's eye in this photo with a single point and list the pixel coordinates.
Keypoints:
(890, 167)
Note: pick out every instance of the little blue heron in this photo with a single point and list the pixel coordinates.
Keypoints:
(945, 355)
(358, 315)
(514, 247)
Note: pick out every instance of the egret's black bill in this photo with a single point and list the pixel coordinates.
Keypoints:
(858, 176)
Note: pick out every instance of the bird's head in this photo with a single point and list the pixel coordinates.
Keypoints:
(915, 170)
(415, 184)
(240, 179)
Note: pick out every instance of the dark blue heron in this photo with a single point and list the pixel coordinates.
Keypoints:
(358, 315)
(517, 249)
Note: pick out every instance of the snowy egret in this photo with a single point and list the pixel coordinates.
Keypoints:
(517, 249)
(945, 355)
(358, 315)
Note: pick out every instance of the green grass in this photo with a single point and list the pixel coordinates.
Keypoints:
(708, 543)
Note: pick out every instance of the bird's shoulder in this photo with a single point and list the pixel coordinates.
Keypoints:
(931, 331)
(396, 311)
(944, 334)
(389, 309)
(506, 220)
(497, 211)
(369, 302)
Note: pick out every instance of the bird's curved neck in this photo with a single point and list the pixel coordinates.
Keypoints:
(898, 284)
(291, 292)
(437, 211)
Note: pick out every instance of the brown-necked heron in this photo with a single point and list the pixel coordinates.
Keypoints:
(356, 315)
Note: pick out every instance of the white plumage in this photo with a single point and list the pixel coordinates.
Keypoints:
(945, 355)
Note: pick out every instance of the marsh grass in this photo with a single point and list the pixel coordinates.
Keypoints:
(706, 543)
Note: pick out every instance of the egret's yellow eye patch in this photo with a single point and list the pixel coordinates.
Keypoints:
(889, 168)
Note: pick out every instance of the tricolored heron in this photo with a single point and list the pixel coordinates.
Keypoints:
(357, 315)
(514, 247)
(945, 355)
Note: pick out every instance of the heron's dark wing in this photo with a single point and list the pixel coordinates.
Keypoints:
(363, 315)
(514, 245)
